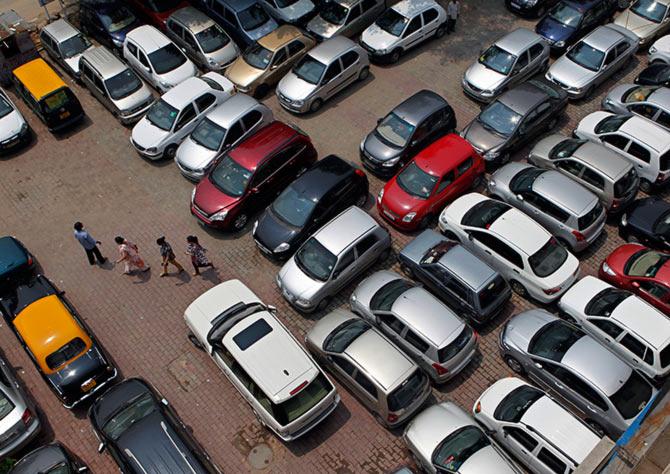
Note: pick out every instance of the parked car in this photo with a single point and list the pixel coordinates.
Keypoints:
(410, 127)
(108, 22)
(592, 60)
(599, 169)
(444, 438)
(652, 103)
(221, 129)
(647, 222)
(156, 12)
(529, 8)
(115, 85)
(647, 19)
(514, 118)
(592, 381)
(321, 73)
(570, 212)
(344, 17)
(134, 422)
(157, 59)
(438, 174)
(385, 380)
(456, 276)
(64, 44)
(17, 264)
(268, 60)
(244, 20)
(641, 270)
(331, 258)
(644, 143)
(536, 429)
(49, 459)
(65, 352)
(250, 176)
(47, 95)
(402, 27)
(659, 52)
(528, 256)
(654, 75)
(202, 39)
(325, 190)
(14, 130)
(287, 391)
(293, 12)
(509, 61)
(177, 113)
(569, 20)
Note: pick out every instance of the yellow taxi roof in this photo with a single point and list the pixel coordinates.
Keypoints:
(46, 325)
(38, 77)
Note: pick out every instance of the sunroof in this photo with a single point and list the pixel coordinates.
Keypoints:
(252, 334)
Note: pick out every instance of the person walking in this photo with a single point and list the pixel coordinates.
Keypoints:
(89, 243)
(453, 11)
(197, 253)
(129, 254)
(167, 256)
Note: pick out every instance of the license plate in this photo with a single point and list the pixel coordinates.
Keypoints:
(88, 386)
(389, 215)
(64, 114)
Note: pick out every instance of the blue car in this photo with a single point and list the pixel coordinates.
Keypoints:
(244, 20)
(107, 21)
(16, 264)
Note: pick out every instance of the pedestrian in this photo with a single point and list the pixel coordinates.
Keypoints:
(167, 256)
(89, 243)
(453, 11)
(129, 254)
(197, 253)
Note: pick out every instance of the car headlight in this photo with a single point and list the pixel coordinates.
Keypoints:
(211, 62)
(302, 303)
(298, 103)
(487, 92)
(283, 247)
(24, 128)
(492, 184)
(607, 269)
(443, 218)
(253, 229)
(380, 196)
(391, 162)
(278, 280)
(152, 150)
(220, 216)
(624, 220)
(193, 194)
(409, 217)
(652, 50)
(165, 85)
(559, 44)
(492, 155)
(117, 43)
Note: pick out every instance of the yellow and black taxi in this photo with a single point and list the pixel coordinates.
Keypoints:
(47, 95)
(63, 349)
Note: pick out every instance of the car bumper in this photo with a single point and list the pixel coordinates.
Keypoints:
(377, 167)
(375, 55)
(475, 93)
(205, 221)
(542, 297)
(134, 116)
(191, 174)
(271, 254)
(63, 126)
(16, 141)
(521, 9)
(158, 154)
(462, 364)
(291, 105)
(412, 408)
(95, 390)
(397, 221)
(21, 441)
(312, 423)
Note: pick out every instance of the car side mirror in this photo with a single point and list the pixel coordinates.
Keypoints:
(519, 197)
(164, 402)
(254, 190)
(273, 67)
(101, 447)
(414, 142)
(82, 469)
(61, 292)
(147, 69)
(271, 308)
(635, 284)
(379, 120)
(469, 235)
(538, 365)
(336, 274)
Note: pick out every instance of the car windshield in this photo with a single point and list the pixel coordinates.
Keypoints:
(136, 410)
(649, 9)
(293, 207)
(497, 59)
(394, 130)
(523, 181)
(300, 403)
(162, 115)
(611, 123)
(123, 84)
(566, 15)
(416, 182)
(392, 22)
(309, 69)
(6, 405)
(257, 56)
(605, 302)
(344, 334)
(5, 107)
(56, 100)
(566, 148)
(404, 395)
(212, 39)
(74, 45)
(209, 135)
(516, 403)
(586, 56)
(117, 19)
(167, 59)
(253, 17)
(638, 94)
(65, 353)
(548, 259)
(161, 6)
(458, 447)
(499, 119)
(230, 177)
(315, 260)
(333, 13)
(553, 340)
(385, 297)
(645, 263)
(484, 213)
(662, 225)
(632, 397)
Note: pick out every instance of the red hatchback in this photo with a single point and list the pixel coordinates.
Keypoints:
(251, 175)
(436, 175)
(156, 12)
(641, 270)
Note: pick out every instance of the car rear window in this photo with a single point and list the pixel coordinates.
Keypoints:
(548, 259)
(6, 405)
(67, 352)
(605, 302)
(458, 447)
(554, 339)
(485, 213)
(664, 164)
(385, 297)
(491, 292)
(55, 100)
(302, 402)
(590, 217)
(252, 334)
(665, 356)
(632, 397)
(451, 350)
(623, 186)
(404, 395)
(516, 403)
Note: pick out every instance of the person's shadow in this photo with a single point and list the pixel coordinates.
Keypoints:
(211, 274)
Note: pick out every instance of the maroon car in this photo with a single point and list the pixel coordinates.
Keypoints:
(156, 12)
(251, 175)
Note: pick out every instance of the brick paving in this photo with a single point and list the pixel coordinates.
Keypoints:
(93, 175)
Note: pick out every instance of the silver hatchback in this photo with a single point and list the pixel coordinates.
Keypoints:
(650, 102)
(345, 17)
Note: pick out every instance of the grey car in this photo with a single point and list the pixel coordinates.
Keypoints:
(514, 118)
(650, 102)
(588, 378)
(430, 332)
(293, 12)
(509, 61)
(65, 44)
(604, 172)
(593, 59)
(344, 17)
(570, 212)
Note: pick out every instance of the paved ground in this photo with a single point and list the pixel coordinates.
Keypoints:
(93, 175)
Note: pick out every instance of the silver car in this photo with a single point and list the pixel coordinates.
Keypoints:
(507, 62)
(294, 12)
(645, 18)
(659, 52)
(321, 73)
(589, 379)
(593, 59)
(650, 102)
(344, 17)
(567, 210)
(424, 327)
(331, 258)
(65, 44)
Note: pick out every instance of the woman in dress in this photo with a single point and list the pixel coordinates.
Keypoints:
(129, 255)
(197, 254)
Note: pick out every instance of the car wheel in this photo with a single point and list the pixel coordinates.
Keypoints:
(395, 56)
(600, 431)
(518, 288)
(515, 365)
(451, 236)
(363, 75)
(362, 200)
(384, 255)
(170, 152)
(631, 239)
(323, 304)
(315, 105)
(194, 340)
(261, 91)
(645, 185)
(240, 221)
(407, 270)
(441, 30)
(589, 93)
(552, 124)
(426, 221)
(478, 181)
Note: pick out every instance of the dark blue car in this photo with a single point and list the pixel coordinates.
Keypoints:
(107, 21)
(16, 264)
(647, 221)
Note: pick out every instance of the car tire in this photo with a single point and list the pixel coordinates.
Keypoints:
(645, 186)
(440, 31)
(323, 304)
(478, 181)
(196, 343)
(170, 152)
(395, 56)
(261, 91)
(362, 200)
(407, 270)
(384, 255)
(552, 124)
(515, 365)
(316, 105)
(518, 288)
(426, 221)
(600, 431)
(365, 72)
(240, 221)
(451, 236)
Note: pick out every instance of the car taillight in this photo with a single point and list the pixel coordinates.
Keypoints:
(476, 336)
(478, 407)
(552, 291)
(579, 236)
(392, 418)
(298, 388)
(27, 417)
(616, 203)
(360, 173)
(30, 260)
(439, 370)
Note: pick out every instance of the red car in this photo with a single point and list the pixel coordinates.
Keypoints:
(436, 175)
(251, 175)
(641, 270)
(156, 12)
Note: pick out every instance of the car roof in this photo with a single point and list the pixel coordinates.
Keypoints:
(647, 132)
(444, 154)
(61, 30)
(228, 112)
(660, 96)
(608, 162)
(186, 91)
(518, 229)
(238, 5)
(523, 97)
(103, 61)
(467, 267)
(603, 38)
(331, 48)
(419, 106)
(148, 37)
(582, 5)
(567, 193)
(193, 19)
(280, 37)
(40, 459)
(644, 320)
(518, 40)
(254, 149)
(327, 174)
(344, 229)
(409, 8)
(39, 78)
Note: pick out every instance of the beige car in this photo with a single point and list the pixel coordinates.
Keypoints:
(265, 63)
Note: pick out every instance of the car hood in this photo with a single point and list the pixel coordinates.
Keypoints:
(484, 78)
(296, 282)
(379, 150)
(377, 38)
(543, 147)
(194, 156)
(487, 459)
(570, 73)
(225, 54)
(179, 74)
(398, 201)
(242, 73)
(662, 44)
(267, 27)
(148, 135)
(417, 248)
(616, 94)
(586, 126)
(210, 199)
(10, 125)
(322, 28)
(482, 139)
(272, 231)
(636, 24)
(140, 96)
(371, 285)
(554, 30)
(295, 88)
(298, 9)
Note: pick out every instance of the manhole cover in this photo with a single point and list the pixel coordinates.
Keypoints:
(260, 456)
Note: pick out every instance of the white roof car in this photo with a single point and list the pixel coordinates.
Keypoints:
(625, 323)
(660, 50)
(13, 127)
(65, 44)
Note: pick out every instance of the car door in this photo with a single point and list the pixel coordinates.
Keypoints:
(252, 121)
(352, 23)
(541, 116)
(431, 22)
(130, 51)
(391, 326)
(350, 61)
(185, 123)
(331, 80)
(346, 371)
(175, 32)
(466, 174)
(49, 45)
(520, 69)
(145, 67)
(265, 184)
(521, 443)
(279, 64)
(609, 65)
(444, 192)
(367, 250)
(345, 270)
(413, 33)
(503, 257)
(646, 110)
(286, 169)
(233, 135)
(204, 103)
(605, 330)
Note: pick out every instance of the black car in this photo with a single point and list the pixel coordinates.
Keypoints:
(50, 459)
(407, 129)
(143, 433)
(647, 221)
(529, 8)
(17, 265)
(321, 193)
(460, 279)
(657, 74)
(107, 21)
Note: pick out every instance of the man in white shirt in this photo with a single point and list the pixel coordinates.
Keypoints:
(453, 10)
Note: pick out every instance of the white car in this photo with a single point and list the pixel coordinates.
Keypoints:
(532, 426)
(401, 27)
(627, 325)
(14, 129)
(175, 115)
(157, 59)
(659, 52)
(526, 254)
(646, 18)
(65, 44)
